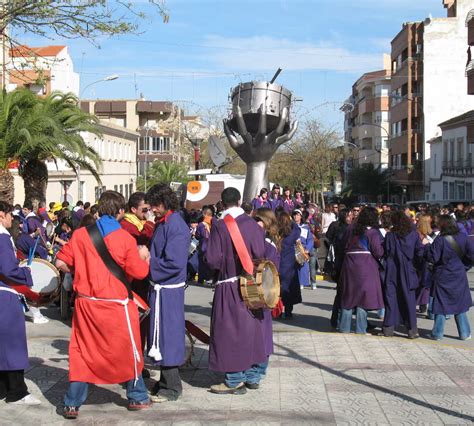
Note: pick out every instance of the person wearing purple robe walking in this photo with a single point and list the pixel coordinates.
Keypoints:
(452, 255)
(267, 220)
(237, 346)
(168, 261)
(287, 201)
(262, 200)
(360, 279)
(307, 240)
(403, 251)
(14, 350)
(290, 289)
(202, 235)
(275, 197)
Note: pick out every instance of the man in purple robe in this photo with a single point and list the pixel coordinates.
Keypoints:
(168, 261)
(33, 224)
(13, 348)
(236, 345)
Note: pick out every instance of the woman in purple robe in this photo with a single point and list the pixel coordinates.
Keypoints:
(236, 345)
(289, 284)
(267, 220)
(262, 200)
(287, 201)
(168, 260)
(202, 235)
(275, 197)
(360, 278)
(452, 255)
(13, 347)
(403, 250)
(307, 240)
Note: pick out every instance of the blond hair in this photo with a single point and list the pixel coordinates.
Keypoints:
(424, 225)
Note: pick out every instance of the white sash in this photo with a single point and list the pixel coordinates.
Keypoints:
(10, 290)
(154, 351)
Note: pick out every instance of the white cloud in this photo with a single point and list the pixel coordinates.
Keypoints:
(267, 53)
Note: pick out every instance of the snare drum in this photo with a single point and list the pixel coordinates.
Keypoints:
(263, 289)
(46, 278)
(252, 96)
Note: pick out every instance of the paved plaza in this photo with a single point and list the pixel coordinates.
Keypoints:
(315, 377)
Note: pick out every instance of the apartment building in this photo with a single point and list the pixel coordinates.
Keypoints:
(427, 87)
(470, 61)
(452, 163)
(158, 123)
(366, 120)
(42, 69)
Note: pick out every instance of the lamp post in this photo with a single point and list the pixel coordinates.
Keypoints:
(78, 173)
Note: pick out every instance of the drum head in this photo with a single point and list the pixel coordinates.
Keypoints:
(270, 284)
(45, 276)
(49, 229)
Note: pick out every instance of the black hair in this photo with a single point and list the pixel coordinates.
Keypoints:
(87, 205)
(447, 225)
(5, 207)
(386, 219)
(230, 197)
(28, 205)
(135, 199)
(263, 191)
(343, 215)
(65, 204)
(66, 221)
(51, 205)
(367, 217)
(401, 223)
(207, 208)
(162, 194)
(247, 207)
(79, 203)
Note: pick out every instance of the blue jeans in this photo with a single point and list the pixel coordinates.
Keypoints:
(262, 369)
(76, 395)
(346, 320)
(313, 265)
(252, 375)
(462, 323)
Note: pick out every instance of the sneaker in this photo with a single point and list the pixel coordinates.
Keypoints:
(466, 338)
(159, 399)
(27, 400)
(434, 337)
(70, 412)
(313, 287)
(223, 389)
(252, 386)
(40, 320)
(301, 287)
(138, 405)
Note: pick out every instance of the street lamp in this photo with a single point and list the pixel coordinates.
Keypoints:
(147, 147)
(78, 173)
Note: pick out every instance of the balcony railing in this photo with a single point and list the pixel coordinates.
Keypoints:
(459, 167)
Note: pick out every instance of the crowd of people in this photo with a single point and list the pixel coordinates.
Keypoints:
(127, 259)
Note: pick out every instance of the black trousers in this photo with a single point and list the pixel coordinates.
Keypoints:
(12, 385)
(170, 385)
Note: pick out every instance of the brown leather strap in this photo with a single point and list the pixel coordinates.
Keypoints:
(239, 244)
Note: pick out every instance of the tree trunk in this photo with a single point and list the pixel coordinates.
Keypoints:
(35, 180)
(6, 186)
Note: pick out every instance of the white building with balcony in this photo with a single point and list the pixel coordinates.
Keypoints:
(452, 163)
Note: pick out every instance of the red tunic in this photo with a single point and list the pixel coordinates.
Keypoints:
(142, 238)
(100, 350)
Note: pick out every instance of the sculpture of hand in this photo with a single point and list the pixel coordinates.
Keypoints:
(257, 150)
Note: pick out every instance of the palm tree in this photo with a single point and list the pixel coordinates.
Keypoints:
(14, 108)
(55, 124)
(163, 172)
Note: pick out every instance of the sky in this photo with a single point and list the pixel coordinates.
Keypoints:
(210, 46)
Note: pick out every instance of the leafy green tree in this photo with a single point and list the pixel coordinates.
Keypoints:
(34, 130)
(367, 182)
(163, 172)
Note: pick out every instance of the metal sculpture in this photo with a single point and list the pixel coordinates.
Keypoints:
(258, 126)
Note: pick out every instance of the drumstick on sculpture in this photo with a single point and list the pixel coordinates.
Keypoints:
(258, 127)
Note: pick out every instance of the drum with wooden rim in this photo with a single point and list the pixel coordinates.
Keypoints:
(262, 290)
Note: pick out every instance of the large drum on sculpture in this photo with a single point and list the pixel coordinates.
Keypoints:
(255, 94)
(46, 278)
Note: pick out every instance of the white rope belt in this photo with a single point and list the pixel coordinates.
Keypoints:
(124, 303)
(10, 290)
(358, 252)
(227, 280)
(154, 351)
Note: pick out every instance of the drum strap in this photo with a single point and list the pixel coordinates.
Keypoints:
(106, 257)
(239, 244)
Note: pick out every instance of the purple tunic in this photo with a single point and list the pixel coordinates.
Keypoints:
(288, 205)
(13, 347)
(450, 290)
(360, 278)
(202, 235)
(401, 278)
(25, 242)
(236, 332)
(259, 202)
(290, 287)
(169, 248)
(276, 202)
(307, 239)
(271, 253)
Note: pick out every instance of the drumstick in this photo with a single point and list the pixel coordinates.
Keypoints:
(32, 251)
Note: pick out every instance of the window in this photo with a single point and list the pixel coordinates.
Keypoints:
(452, 189)
(468, 190)
(121, 189)
(143, 145)
(451, 150)
(434, 164)
(460, 149)
(460, 190)
(445, 191)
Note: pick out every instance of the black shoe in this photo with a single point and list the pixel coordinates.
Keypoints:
(70, 412)
(423, 309)
(371, 326)
(146, 373)
(252, 386)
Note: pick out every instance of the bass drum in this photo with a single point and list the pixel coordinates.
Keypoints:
(46, 279)
(263, 289)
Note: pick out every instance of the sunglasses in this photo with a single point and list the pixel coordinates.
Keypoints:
(145, 210)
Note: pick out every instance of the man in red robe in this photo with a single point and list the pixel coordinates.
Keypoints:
(105, 326)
